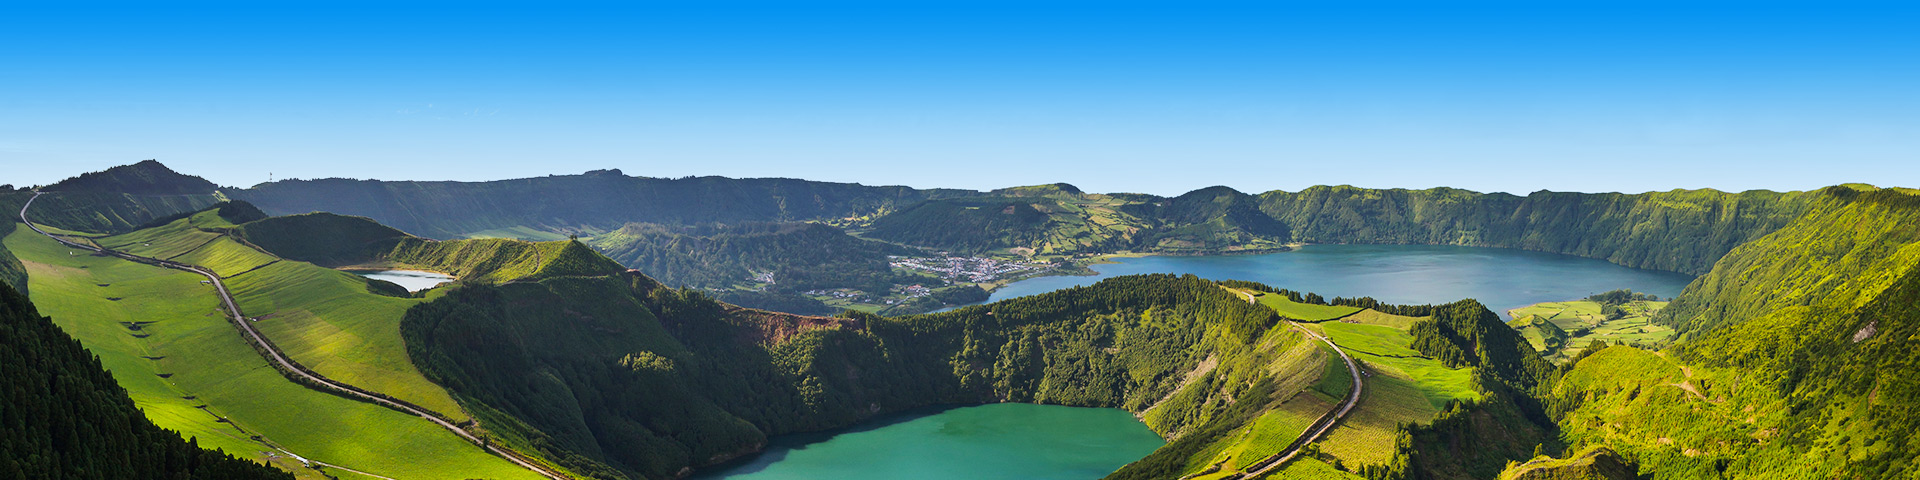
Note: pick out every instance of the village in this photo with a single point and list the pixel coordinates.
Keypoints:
(969, 269)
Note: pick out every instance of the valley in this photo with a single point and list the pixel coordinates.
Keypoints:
(553, 359)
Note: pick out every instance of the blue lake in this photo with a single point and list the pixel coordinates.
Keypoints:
(1404, 274)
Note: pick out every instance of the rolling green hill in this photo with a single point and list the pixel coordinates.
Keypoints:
(161, 334)
(1792, 357)
(360, 243)
(118, 199)
(98, 212)
(1211, 220)
(148, 177)
(699, 382)
(1797, 362)
(725, 378)
(593, 202)
(1592, 463)
(64, 416)
(797, 257)
(970, 225)
(322, 238)
(801, 256)
(1681, 230)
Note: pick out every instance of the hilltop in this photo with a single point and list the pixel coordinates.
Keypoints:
(148, 177)
(594, 202)
(361, 243)
(1796, 356)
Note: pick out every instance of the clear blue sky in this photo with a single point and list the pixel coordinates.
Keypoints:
(1156, 97)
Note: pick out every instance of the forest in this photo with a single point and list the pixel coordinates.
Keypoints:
(63, 416)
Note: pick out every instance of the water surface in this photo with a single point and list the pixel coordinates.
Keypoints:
(1018, 441)
(999, 441)
(413, 280)
(1500, 278)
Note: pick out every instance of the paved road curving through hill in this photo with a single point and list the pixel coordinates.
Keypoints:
(1320, 427)
(291, 369)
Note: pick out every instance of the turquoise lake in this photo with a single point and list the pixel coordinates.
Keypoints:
(1017, 441)
(1000, 441)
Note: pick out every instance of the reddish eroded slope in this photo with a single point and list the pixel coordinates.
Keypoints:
(771, 328)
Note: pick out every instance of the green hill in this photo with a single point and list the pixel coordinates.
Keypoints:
(967, 225)
(801, 256)
(64, 416)
(148, 177)
(1211, 220)
(322, 238)
(1051, 189)
(1593, 463)
(1797, 363)
(496, 260)
(97, 212)
(593, 202)
(116, 200)
(621, 377)
(160, 332)
(342, 241)
(735, 260)
(1680, 230)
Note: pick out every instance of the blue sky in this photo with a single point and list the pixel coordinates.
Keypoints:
(1155, 97)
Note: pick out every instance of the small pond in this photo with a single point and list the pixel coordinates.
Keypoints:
(413, 280)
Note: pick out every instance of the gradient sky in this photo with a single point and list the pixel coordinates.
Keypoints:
(1155, 97)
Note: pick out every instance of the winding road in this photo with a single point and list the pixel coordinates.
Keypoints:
(294, 371)
(1320, 427)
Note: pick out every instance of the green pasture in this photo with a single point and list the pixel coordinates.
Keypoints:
(327, 320)
(1303, 311)
(518, 232)
(208, 364)
(1583, 321)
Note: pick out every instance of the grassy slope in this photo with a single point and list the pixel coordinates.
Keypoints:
(103, 212)
(1676, 421)
(1592, 463)
(323, 318)
(516, 233)
(1300, 365)
(1581, 323)
(208, 360)
(1680, 230)
(327, 320)
(1304, 311)
(227, 257)
(1800, 360)
(1850, 246)
(66, 417)
(1403, 388)
(501, 260)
